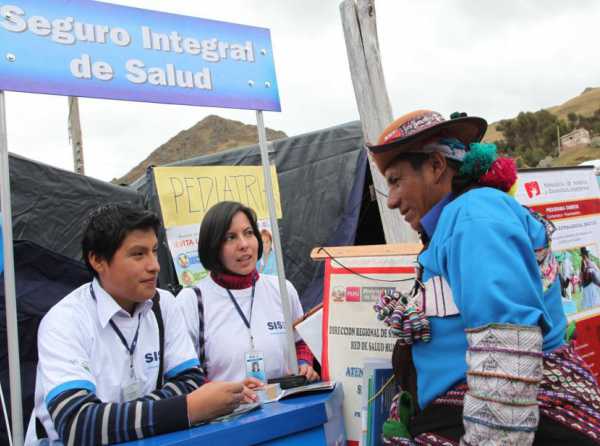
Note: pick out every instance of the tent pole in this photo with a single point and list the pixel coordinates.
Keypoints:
(285, 302)
(9, 285)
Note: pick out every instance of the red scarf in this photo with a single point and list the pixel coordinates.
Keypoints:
(235, 281)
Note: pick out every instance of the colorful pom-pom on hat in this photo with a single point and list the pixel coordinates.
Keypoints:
(478, 160)
(502, 174)
(482, 164)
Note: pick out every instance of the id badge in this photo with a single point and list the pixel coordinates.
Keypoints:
(255, 365)
(132, 390)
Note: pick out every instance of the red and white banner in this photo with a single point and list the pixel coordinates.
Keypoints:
(351, 331)
(570, 198)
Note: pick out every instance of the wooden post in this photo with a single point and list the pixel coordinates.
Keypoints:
(557, 140)
(75, 135)
(360, 31)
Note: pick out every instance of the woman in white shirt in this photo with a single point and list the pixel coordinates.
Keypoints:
(234, 316)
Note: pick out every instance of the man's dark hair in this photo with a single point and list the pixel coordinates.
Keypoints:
(108, 225)
(214, 226)
(416, 160)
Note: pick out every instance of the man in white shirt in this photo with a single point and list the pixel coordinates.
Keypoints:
(115, 363)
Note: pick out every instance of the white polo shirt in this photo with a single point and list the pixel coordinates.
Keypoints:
(226, 336)
(78, 348)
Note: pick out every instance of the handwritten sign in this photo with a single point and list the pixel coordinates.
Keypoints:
(87, 48)
(186, 193)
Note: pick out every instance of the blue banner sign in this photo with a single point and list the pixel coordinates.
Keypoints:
(93, 49)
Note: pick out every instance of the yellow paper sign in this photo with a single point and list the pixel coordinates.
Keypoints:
(186, 193)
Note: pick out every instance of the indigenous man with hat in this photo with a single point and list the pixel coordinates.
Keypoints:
(481, 354)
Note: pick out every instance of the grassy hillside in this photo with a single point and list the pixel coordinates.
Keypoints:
(492, 133)
(577, 156)
(585, 104)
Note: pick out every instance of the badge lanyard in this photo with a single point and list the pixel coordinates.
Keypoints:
(247, 321)
(130, 349)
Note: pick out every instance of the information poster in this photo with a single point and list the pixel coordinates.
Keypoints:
(570, 198)
(351, 331)
(186, 193)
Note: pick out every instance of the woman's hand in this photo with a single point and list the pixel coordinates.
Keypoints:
(253, 383)
(309, 372)
(250, 385)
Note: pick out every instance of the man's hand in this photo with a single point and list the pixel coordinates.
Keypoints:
(309, 372)
(214, 399)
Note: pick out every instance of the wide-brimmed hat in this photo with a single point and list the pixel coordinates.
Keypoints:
(408, 133)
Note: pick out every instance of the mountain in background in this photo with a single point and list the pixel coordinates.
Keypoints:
(212, 134)
(215, 134)
(531, 138)
(585, 104)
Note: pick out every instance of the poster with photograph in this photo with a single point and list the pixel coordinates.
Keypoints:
(351, 331)
(183, 245)
(267, 263)
(186, 193)
(570, 198)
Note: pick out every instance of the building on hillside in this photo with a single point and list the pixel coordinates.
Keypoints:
(576, 138)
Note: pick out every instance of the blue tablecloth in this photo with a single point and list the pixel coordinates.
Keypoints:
(312, 419)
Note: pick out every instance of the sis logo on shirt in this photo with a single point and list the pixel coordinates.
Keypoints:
(151, 357)
(276, 326)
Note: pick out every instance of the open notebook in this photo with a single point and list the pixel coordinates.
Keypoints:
(297, 391)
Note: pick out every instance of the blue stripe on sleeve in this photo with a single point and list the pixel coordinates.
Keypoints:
(87, 431)
(70, 385)
(151, 416)
(94, 423)
(85, 426)
(126, 421)
(117, 423)
(181, 367)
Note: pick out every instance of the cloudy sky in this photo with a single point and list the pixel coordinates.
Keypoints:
(486, 57)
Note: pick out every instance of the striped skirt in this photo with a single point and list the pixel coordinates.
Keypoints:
(569, 403)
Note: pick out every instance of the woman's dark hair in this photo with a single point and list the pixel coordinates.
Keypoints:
(108, 225)
(215, 225)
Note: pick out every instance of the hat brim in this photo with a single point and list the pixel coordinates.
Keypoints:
(468, 130)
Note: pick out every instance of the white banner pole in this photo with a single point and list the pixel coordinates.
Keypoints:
(287, 311)
(10, 295)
